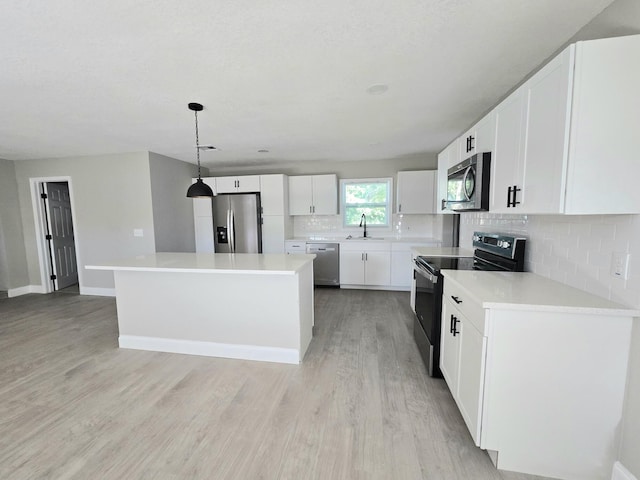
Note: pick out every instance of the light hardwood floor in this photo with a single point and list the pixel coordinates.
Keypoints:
(74, 406)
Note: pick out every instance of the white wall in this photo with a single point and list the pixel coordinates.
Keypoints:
(111, 196)
(172, 210)
(13, 263)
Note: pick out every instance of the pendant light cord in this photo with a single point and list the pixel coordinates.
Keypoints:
(197, 144)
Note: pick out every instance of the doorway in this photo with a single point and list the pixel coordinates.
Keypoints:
(55, 234)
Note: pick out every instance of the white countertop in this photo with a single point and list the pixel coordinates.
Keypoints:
(528, 291)
(442, 252)
(270, 263)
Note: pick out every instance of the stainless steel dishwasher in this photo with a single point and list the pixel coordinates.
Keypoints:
(326, 266)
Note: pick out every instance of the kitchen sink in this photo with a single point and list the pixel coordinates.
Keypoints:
(364, 238)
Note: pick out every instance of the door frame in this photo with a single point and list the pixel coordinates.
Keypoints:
(44, 261)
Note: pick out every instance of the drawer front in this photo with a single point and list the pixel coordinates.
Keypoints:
(471, 309)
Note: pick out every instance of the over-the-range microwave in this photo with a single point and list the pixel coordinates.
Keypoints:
(468, 183)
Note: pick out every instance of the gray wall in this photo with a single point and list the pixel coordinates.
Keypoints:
(111, 197)
(172, 210)
(13, 261)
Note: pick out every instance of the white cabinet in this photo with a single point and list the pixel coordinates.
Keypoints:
(276, 223)
(238, 184)
(313, 194)
(402, 263)
(462, 355)
(507, 159)
(365, 263)
(565, 140)
(416, 191)
(479, 138)
(518, 356)
(445, 160)
(203, 220)
(294, 247)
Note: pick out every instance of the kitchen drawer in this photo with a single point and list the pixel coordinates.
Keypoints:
(468, 306)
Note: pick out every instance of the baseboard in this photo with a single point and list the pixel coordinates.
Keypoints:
(376, 287)
(621, 473)
(16, 292)
(211, 349)
(99, 292)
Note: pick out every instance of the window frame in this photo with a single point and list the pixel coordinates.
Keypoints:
(389, 204)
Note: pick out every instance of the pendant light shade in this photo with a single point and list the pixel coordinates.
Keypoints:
(198, 189)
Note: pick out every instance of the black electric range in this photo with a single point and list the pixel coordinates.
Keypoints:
(493, 252)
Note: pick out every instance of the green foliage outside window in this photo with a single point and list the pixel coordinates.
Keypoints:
(371, 198)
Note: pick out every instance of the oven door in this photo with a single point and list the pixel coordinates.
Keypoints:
(426, 330)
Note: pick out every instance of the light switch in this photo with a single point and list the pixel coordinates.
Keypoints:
(620, 265)
(138, 232)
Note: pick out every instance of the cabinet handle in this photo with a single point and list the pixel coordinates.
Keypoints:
(456, 299)
(366, 257)
(399, 208)
(471, 145)
(513, 191)
(455, 323)
(444, 204)
(451, 324)
(310, 209)
(314, 209)
(362, 257)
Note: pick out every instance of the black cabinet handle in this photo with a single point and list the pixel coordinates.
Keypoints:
(451, 324)
(456, 299)
(444, 204)
(471, 145)
(455, 323)
(513, 191)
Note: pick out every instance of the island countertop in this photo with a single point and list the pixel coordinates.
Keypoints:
(234, 263)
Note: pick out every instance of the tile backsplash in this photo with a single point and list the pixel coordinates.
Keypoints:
(331, 225)
(575, 250)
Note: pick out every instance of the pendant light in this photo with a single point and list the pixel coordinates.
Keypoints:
(198, 189)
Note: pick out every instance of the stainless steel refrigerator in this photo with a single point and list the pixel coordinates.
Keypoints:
(237, 225)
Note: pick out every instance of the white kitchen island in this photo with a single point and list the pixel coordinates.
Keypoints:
(247, 306)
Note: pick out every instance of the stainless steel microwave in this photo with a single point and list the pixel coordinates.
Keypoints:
(468, 183)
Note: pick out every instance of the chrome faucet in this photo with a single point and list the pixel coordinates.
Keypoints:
(363, 219)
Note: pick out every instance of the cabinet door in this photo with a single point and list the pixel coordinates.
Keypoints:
(449, 348)
(401, 269)
(272, 194)
(248, 183)
(508, 156)
(226, 184)
(351, 267)
(377, 268)
(547, 137)
(273, 234)
(485, 134)
(325, 194)
(471, 376)
(204, 234)
(300, 199)
(416, 191)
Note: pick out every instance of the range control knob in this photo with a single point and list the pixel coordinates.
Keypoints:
(476, 238)
(505, 244)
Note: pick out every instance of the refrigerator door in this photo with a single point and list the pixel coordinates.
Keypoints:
(220, 217)
(244, 217)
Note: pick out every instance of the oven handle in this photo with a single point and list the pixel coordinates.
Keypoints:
(428, 275)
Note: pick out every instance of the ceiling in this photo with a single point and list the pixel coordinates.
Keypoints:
(314, 81)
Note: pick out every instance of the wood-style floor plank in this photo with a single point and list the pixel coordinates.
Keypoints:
(74, 406)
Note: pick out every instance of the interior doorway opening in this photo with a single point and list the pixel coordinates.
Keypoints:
(55, 234)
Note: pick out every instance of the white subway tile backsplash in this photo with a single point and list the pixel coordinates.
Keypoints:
(575, 250)
(331, 225)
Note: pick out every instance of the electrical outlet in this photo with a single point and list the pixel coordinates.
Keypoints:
(620, 265)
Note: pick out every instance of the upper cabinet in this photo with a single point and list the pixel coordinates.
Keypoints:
(240, 184)
(479, 138)
(274, 194)
(313, 194)
(445, 160)
(565, 140)
(416, 191)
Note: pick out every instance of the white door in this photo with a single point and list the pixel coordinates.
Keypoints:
(300, 202)
(62, 244)
(325, 194)
(377, 268)
(351, 267)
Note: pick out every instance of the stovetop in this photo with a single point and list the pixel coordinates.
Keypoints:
(435, 264)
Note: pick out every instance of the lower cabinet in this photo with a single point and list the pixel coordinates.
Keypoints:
(540, 386)
(462, 360)
(365, 264)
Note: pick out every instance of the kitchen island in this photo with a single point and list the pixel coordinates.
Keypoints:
(246, 306)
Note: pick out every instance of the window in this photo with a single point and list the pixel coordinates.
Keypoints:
(371, 196)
